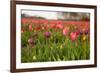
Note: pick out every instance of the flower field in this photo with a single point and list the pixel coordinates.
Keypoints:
(54, 40)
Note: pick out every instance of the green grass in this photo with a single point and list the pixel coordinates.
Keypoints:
(55, 48)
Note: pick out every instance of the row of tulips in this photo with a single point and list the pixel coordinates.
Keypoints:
(54, 42)
(44, 21)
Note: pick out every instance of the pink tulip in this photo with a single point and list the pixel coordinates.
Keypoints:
(65, 31)
(30, 28)
(60, 26)
(73, 36)
(30, 40)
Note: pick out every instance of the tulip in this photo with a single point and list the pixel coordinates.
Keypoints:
(47, 34)
(81, 32)
(86, 31)
(44, 28)
(77, 31)
(84, 37)
(38, 28)
(34, 57)
(60, 26)
(61, 46)
(53, 26)
(73, 36)
(65, 31)
(30, 27)
(24, 20)
(30, 40)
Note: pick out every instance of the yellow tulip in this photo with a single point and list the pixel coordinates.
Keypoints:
(61, 46)
(84, 38)
(34, 57)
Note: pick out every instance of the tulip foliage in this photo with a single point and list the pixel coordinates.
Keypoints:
(54, 40)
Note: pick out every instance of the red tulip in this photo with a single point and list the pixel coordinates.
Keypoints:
(78, 31)
(73, 36)
(30, 27)
(24, 20)
(45, 28)
(59, 22)
(38, 28)
(43, 21)
(53, 25)
(65, 31)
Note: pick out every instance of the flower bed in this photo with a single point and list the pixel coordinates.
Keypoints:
(54, 40)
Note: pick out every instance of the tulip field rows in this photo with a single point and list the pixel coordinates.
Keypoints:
(43, 42)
